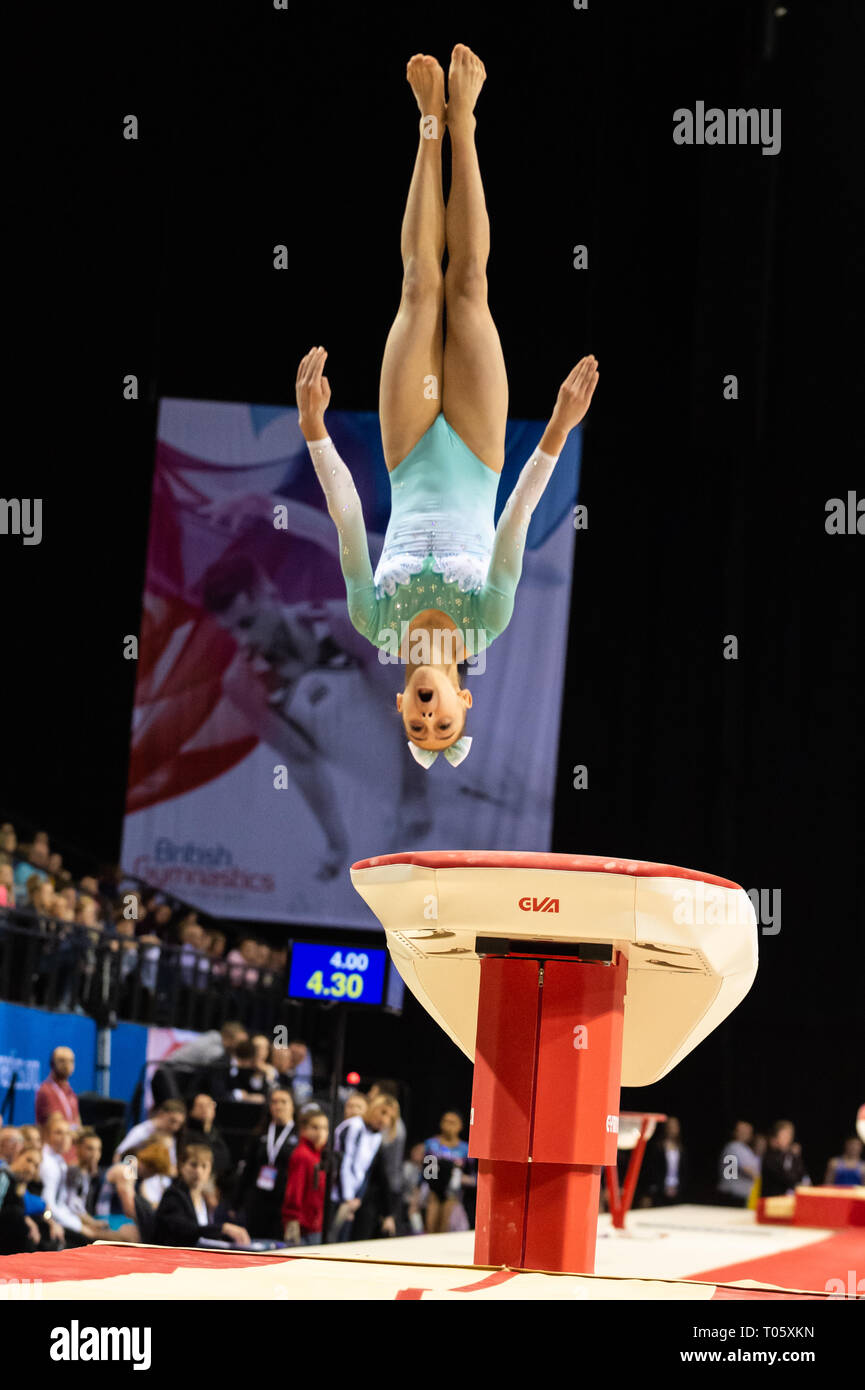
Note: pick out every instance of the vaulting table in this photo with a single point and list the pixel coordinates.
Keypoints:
(563, 977)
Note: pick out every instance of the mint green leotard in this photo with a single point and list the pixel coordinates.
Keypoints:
(442, 548)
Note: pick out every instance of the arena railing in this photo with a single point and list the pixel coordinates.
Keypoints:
(66, 967)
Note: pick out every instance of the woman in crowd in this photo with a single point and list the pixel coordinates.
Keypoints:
(259, 1192)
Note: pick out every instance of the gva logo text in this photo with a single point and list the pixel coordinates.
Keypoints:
(539, 904)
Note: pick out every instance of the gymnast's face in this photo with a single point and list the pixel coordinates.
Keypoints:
(433, 708)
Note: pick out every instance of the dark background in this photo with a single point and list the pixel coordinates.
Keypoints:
(706, 517)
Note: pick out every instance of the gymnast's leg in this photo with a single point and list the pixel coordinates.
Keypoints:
(475, 391)
(411, 369)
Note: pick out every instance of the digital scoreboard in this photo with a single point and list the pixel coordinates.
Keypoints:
(351, 974)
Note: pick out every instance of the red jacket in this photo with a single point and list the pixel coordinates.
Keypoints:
(305, 1188)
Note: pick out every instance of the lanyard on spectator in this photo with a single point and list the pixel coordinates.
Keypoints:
(65, 1103)
(273, 1149)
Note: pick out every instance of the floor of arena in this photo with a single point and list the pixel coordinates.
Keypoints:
(680, 1253)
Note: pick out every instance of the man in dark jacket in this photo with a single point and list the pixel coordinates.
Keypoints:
(782, 1167)
(182, 1217)
(200, 1128)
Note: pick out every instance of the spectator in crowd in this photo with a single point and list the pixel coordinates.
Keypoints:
(783, 1169)
(360, 1177)
(56, 1095)
(201, 1128)
(264, 1059)
(153, 1171)
(393, 1138)
(242, 964)
(245, 1078)
(355, 1104)
(78, 1227)
(295, 1069)
(8, 838)
(215, 1048)
(191, 937)
(165, 1123)
(32, 1135)
(182, 1217)
(48, 1231)
(665, 1167)
(7, 885)
(84, 1177)
(133, 1188)
(19, 1232)
(215, 945)
(34, 862)
(11, 1143)
(414, 1192)
(260, 1186)
(738, 1166)
(846, 1171)
(306, 1183)
(445, 1160)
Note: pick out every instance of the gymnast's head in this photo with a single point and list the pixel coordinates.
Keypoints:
(433, 704)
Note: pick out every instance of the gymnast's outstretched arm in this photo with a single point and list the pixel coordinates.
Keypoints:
(506, 563)
(343, 502)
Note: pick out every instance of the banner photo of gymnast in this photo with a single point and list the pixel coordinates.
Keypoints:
(269, 750)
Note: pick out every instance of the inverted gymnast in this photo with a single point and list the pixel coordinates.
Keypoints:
(445, 570)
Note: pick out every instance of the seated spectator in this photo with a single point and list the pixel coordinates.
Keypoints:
(783, 1169)
(306, 1184)
(200, 1127)
(846, 1171)
(133, 1188)
(11, 1143)
(84, 1177)
(182, 1217)
(56, 1095)
(444, 1162)
(20, 1232)
(78, 1227)
(153, 1171)
(166, 1121)
(8, 838)
(738, 1167)
(260, 1186)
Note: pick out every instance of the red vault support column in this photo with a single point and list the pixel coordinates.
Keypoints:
(545, 1107)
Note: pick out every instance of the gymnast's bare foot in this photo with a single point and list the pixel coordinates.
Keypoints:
(466, 76)
(427, 81)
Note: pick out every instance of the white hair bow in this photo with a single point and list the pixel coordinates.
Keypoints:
(455, 754)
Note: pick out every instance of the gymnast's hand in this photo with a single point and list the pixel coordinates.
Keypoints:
(575, 394)
(313, 394)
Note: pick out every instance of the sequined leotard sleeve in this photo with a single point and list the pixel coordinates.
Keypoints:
(346, 512)
(496, 599)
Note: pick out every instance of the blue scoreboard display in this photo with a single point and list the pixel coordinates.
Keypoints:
(353, 974)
